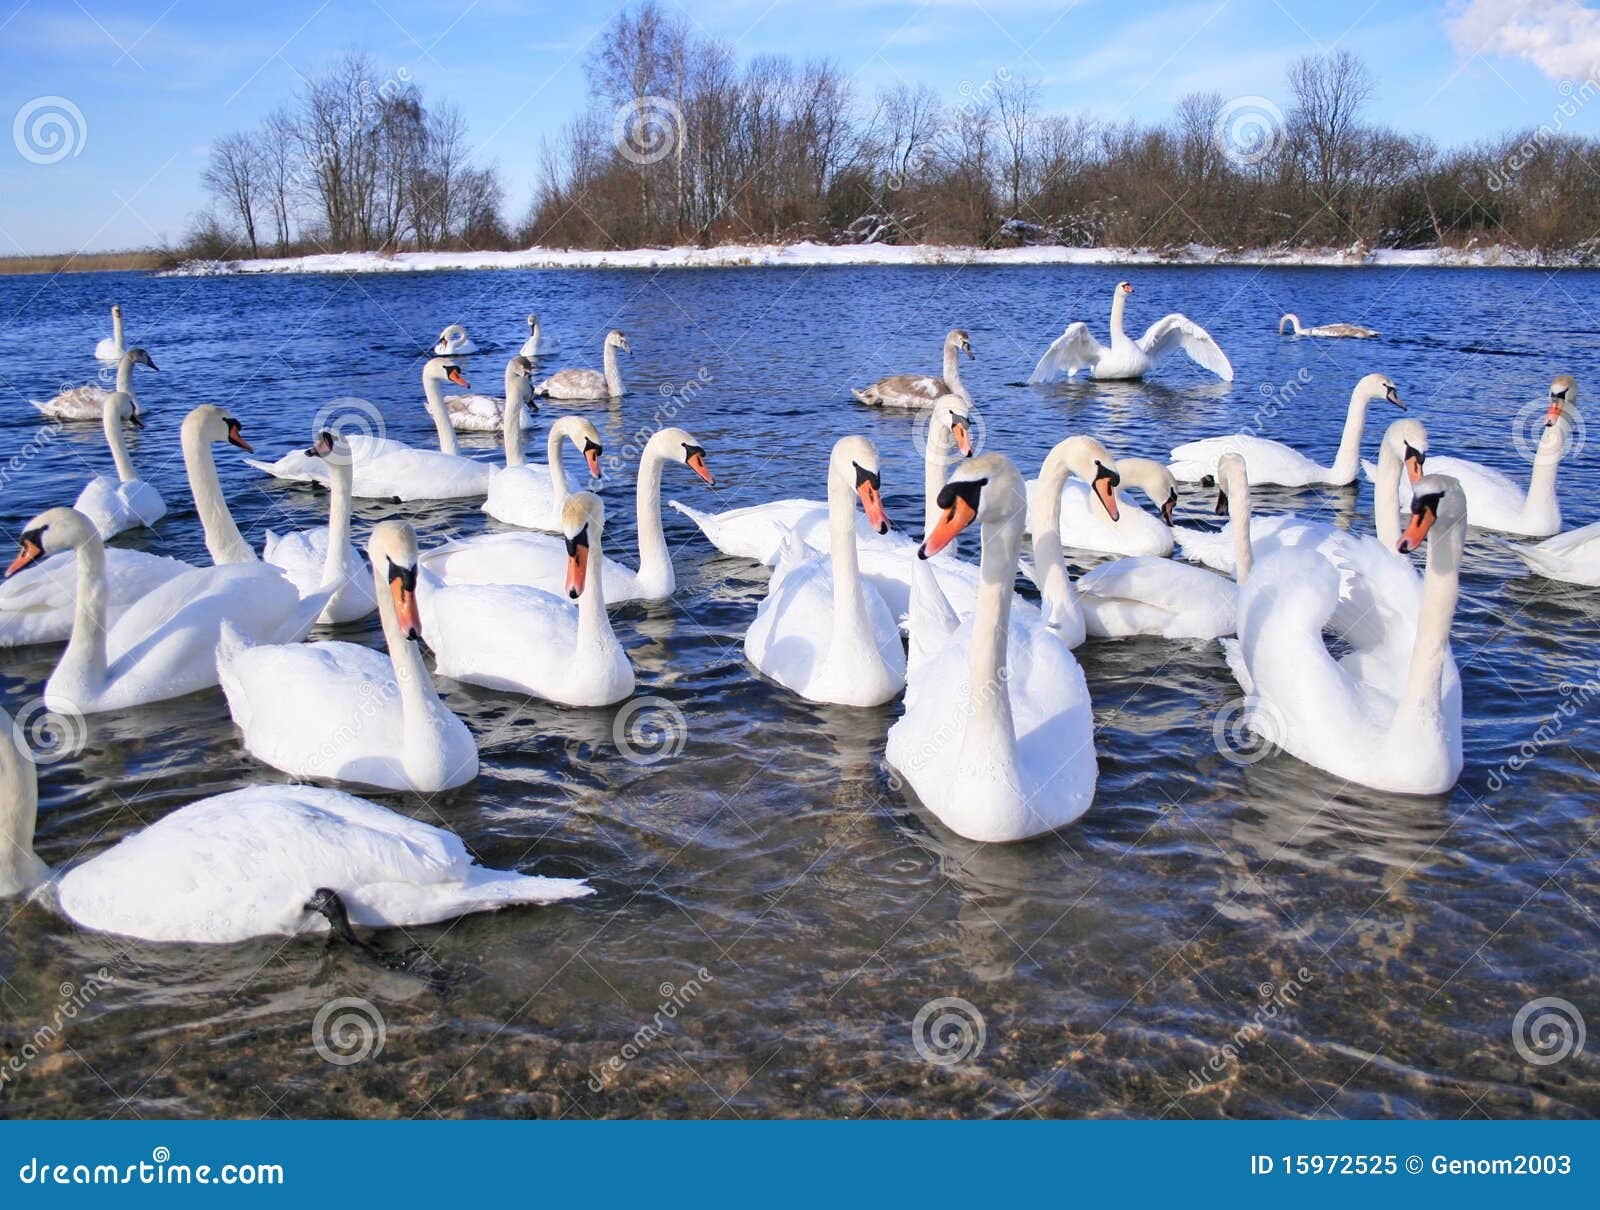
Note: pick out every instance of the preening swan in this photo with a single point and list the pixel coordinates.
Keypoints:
(343, 712)
(1403, 736)
(530, 495)
(453, 342)
(88, 402)
(1493, 499)
(322, 557)
(126, 501)
(485, 413)
(920, 390)
(540, 560)
(537, 341)
(1353, 331)
(997, 738)
(258, 862)
(1086, 525)
(527, 640)
(821, 630)
(1076, 350)
(163, 645)
(111, 348)
(1272, 462)
(590, 384)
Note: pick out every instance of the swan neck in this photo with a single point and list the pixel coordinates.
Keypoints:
(1119, 303)
(119, 447)
(223, 539)
(558, 471)
(593, 621)
(613, 372)
(1386, 498)
(1348, 462)
(441, 416)
(655, 563)
(511, 425)
(83, 663)
(991, 731)
(935, 467)
(1441, 588)
(20, 869)
(1541, 496)
(1239, 514)
(116, 331)
(952, 371)
(340, 483)
(849, 603)
(1050, 561)
(419, 699)
(125, 375)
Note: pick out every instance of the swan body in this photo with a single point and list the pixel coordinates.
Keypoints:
(540, 560)
(126, 501)
(997, 742)
(344, 712)
(590, 384)
(111, 348)
(36, 606)
(821, 630)
(537, 341)
(1075, 349)
(323, 557)
(523, 639)
(922, 390)
(1272, 462)
(532, 496)
(88, 402)
(1572, 557)
(454, 342)
(485, 413)
(1085, 524)
(1349, 331)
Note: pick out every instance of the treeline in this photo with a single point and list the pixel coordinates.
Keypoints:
(682, 143)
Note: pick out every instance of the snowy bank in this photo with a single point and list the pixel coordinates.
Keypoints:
(809, 255)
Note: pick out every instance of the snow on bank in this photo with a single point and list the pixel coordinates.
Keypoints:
(810, 255)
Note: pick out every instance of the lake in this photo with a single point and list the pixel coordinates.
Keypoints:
(779, 930)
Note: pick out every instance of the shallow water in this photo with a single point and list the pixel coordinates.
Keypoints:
(1213, 939)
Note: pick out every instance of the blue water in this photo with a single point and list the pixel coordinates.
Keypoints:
(1356, 953)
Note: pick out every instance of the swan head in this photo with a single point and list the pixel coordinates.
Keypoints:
(986, 489)
(392, 550)
(583, 520)
(675, 445)
(1407, 440)
(210, 424)
(1438, 507)
(854, 465)
(51, 532)
(953, 414)
(1374, 387)
(330, 447)
(1233, 484)
(444, 369)
(139, 357)
(582, 433)
(533, 322)
(961, 342)
(1124, 289)
(116, 310)
(1563, 397)
(616, 340)
(1090, 461)
(519, 381)
(1153, 479)
(121, 408)
(451, 340)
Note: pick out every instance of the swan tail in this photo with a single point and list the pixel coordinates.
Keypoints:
(1536, 559)
(483, 889)
(1370, 470)
(704, 522)
(1233, 652)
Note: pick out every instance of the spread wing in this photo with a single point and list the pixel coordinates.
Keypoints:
(1180, 332)
(1073, 350)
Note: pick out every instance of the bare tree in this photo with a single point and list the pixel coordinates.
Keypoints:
(234, 176)
(1015, 100)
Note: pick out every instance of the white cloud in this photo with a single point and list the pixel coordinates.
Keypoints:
(1559, 37)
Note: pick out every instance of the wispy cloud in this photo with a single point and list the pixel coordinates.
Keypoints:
(1559, 37)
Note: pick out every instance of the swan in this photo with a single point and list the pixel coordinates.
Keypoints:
(126, 501)
(529, 495)
(1272, 462)
(1086, 525)
(1076, 350)
(323, 557)
(590, 384)
(386, 469)
(1494, 501)
(821, 630)
(203, 427)
(997, 738)
(36, 605)
(920, 390)
(343, 712)
(258, 862)
(485, 413)
(88, 402)
(1572, 557)
(1353, 331)
(453, 342)
(540, 560)
(537, 341)
(523, 639)
(111, 348)
(1402, 736)
(163, 645)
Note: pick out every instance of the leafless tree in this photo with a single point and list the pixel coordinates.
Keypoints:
(235, 178)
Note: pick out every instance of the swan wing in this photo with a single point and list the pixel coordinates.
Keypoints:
(1074, 350)
(1270, 462)
(1153, 595)
(755, 532)
(1180, 332)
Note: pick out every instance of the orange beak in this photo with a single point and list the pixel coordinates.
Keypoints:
(697, 463)
(956, 518)
(591, 455)
(958, 430)
(405, 609)
(235, 437)
(1421, 523)
(457, 377)
(577, 568)
(30, 554)
(872, 505)
(1106, 490)
(1414, 465)
(1554, 413)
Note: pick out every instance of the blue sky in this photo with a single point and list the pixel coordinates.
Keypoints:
(155, 82)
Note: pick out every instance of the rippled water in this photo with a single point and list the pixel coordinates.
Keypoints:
(1357, 953)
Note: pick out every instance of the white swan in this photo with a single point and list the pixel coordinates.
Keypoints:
(529, 495)
(125, 501)
(540, 560)
(997, 738)
(1076, 350)
(1398, 737)
(1086, 525)
(205, 426)
(453, 342)
(821, 630)
(343, 712)
(485, 413)
(1272, 462)
(590, 384)
(88, 402)
(1572, 557)
(1494, 501)
(164, 645)
(323, 557)
(526, 640)
(37, 605)
(1350, 331)
(111, 348)
(537, 341)
(922, 390)
(259, 862)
